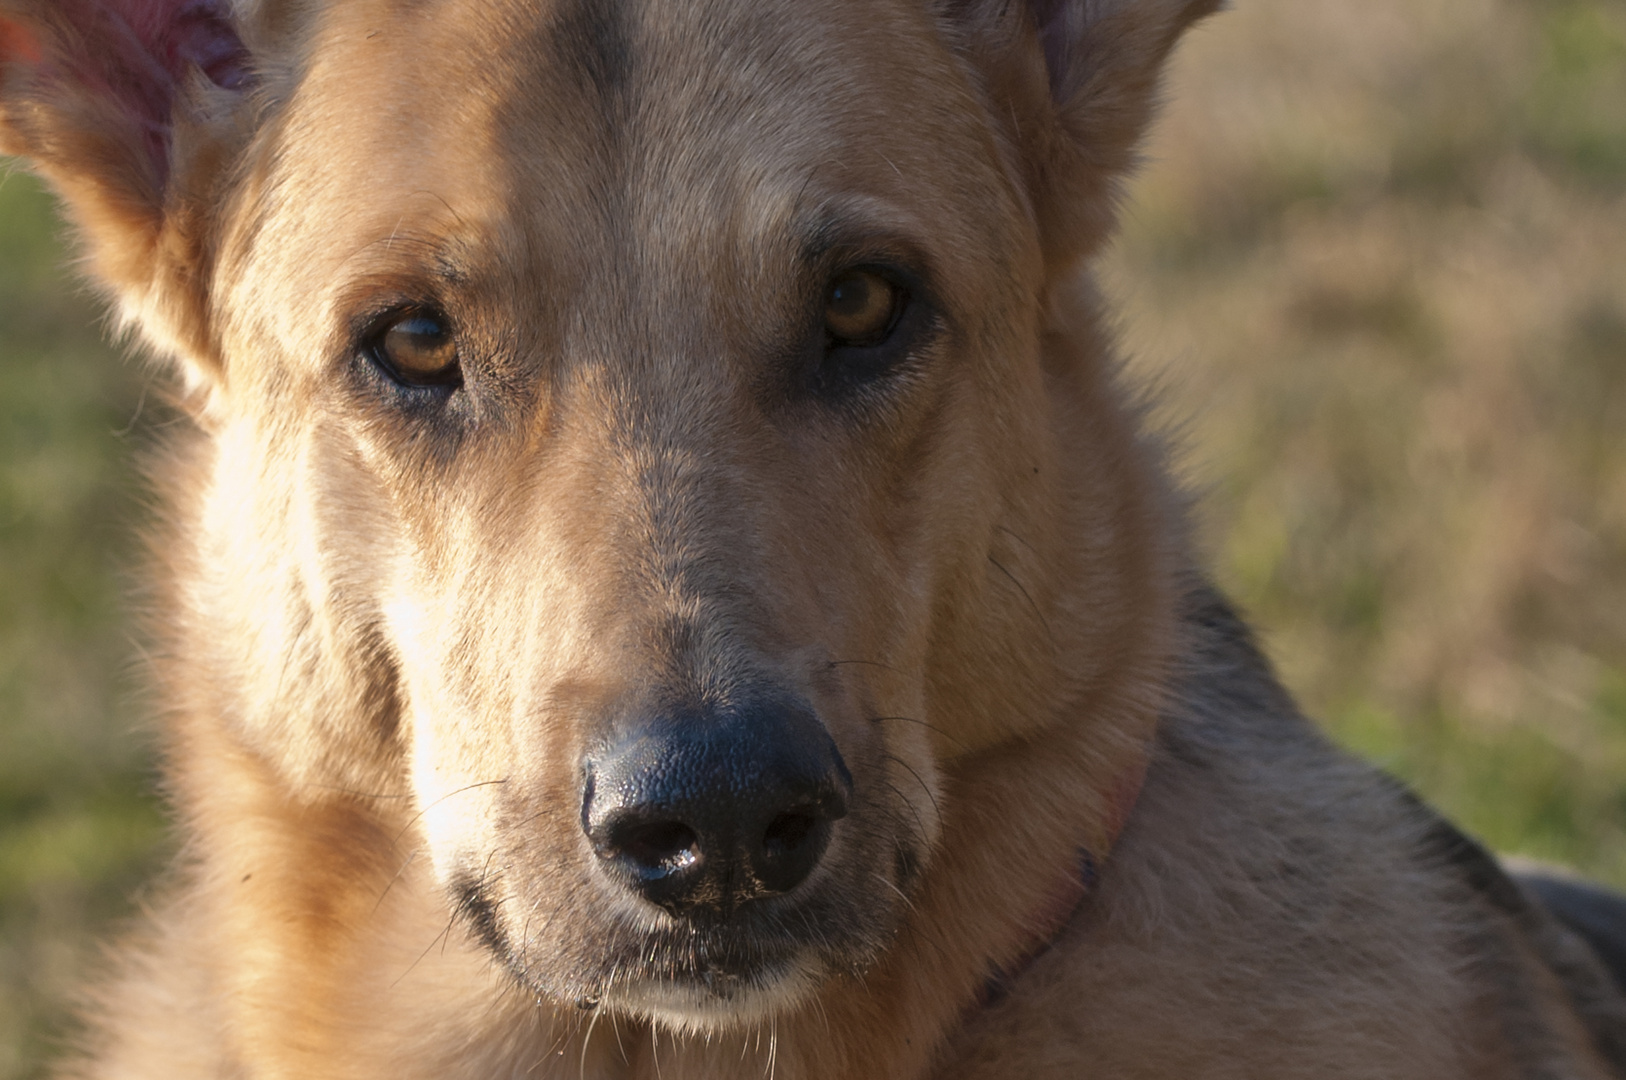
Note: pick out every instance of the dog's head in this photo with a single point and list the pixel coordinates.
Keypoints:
(661, 438)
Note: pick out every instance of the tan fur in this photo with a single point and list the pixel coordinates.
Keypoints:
(388, 640)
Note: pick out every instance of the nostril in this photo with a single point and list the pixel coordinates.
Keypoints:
(656, 848)
(790, 848)
(701, 813)
(788, 832)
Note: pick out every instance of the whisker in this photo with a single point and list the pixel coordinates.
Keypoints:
(923, 787)
(1017, 537)
(397, 877)
(920, 825)
(865, 663)
(908, 903)
(1026, 596)
(917, 929)
(464, 905)
(446, 932)
(922, 723)
(615, 1026)
(467, 787)
(586, 1039)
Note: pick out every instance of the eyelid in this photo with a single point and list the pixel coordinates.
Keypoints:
(365, 304)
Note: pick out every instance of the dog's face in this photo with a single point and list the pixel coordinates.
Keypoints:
(631, 337)
(635, 425)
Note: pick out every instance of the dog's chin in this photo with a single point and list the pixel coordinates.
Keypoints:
(686, 980)
(715, 1002)
(695, 972)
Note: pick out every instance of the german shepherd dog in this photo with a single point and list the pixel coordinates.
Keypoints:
(661, 581)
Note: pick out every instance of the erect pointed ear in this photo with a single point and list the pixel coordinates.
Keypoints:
(1076, 83)
(131, 109)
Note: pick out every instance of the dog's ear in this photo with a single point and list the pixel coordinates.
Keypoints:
(1075, 83)
(128, 109)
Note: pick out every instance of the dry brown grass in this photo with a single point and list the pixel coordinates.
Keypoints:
(1378, 267)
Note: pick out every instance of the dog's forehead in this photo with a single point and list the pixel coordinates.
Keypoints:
(673, 124)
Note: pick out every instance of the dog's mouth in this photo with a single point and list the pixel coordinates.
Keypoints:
(714, 998)
(711, 980)
(687, 976)
(690, 973)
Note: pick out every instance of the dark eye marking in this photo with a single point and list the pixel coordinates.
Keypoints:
(416, 348)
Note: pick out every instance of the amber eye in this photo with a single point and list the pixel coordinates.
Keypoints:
(418, 349)
(861, 308)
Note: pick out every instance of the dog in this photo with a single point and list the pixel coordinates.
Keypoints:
(661, 580)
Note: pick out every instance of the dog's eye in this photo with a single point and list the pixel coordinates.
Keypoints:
(861, 309)
(417, 348)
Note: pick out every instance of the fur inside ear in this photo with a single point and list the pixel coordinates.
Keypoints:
(1081, 79)
(1074, 32)
(18, 45)
(132, 54)
(92, 95)
(1105, 61)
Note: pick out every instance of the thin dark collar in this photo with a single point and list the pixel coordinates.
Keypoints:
(1073, 885)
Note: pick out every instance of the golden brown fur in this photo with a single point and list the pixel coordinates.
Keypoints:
(396, 623)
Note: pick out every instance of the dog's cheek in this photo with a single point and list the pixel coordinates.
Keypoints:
(978, 577)
(849, 568)
(453, 759)
(301, 668)
(466, 632)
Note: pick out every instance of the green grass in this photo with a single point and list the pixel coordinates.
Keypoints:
(1375, 263)
(78, 824)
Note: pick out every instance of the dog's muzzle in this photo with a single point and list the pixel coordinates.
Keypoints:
(703, 812)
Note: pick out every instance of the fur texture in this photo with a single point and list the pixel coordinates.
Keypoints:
(401, 614)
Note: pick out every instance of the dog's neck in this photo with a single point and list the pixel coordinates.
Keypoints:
(1075, 880)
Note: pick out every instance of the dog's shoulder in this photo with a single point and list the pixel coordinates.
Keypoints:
(1292, 911)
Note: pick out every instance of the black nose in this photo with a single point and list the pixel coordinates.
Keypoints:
(702, 812)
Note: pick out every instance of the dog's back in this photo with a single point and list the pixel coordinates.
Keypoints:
(1596, 914)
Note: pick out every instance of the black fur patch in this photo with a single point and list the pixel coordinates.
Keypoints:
(1591, 990)
(591, 37)
(471, 902)
(1596, 914)
(905, 865)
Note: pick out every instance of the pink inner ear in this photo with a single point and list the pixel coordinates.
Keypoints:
(203, 37)
(158, 40)
(17, 43)
(138, 52)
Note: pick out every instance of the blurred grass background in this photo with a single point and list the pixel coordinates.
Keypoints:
(78, 826)
(1376, 268)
